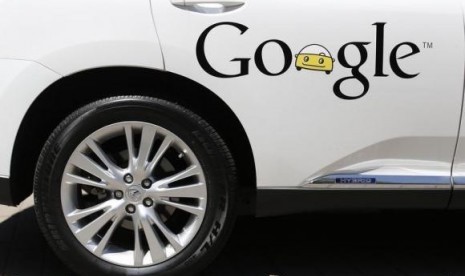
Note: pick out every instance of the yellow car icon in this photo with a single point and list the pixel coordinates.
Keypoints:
(315, 57)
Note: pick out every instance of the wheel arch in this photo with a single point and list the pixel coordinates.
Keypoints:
(69, 93)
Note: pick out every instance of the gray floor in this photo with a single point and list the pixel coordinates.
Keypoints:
(387, 243)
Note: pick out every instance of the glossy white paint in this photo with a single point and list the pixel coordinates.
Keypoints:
(72, 36)
(299, 129)
(20, 82)
(297, 126)
(66, 37)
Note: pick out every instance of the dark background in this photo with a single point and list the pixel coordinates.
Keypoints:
(370, 243)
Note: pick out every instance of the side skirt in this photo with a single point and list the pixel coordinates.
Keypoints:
(283, 201)
(5, 192)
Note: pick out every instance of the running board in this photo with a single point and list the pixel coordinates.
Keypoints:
(274, 201)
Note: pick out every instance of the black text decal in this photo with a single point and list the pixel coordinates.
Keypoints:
(315, 57)
(244, 62)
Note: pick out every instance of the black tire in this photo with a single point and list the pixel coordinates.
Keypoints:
(212, 152)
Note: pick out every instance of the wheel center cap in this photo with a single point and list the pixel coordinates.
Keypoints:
(135, 193)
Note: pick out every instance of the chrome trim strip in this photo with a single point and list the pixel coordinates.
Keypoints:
(459, 182)
(382, 179)
(367, 181)
(377, 187)
(367, 187)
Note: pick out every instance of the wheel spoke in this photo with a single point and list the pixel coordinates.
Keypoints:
(188, 208)
(82, 213)
(75, 179)
(172, 238)
(146, 142)
(85, 163)
(165, 145)
(157, 249)
(198, 190)
(110, 201)
(104, 242)
(130, 145)
(102, 155)
(86, 233)
(138, 252)
(191, 171)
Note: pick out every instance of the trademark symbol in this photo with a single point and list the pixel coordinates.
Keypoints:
(428, 45)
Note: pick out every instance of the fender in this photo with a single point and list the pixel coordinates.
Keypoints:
(125, 36)
(16, 96)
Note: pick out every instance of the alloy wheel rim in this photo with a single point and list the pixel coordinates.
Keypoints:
(134, 194)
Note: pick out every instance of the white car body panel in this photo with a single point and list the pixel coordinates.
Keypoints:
(20, 82)
(298, 128)
(63, 38)
(345, 105)
(72, 36)
(458, 170)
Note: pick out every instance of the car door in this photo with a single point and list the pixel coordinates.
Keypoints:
(333, 94)
(458, 169)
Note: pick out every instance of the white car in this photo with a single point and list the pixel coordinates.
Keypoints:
(145, 127)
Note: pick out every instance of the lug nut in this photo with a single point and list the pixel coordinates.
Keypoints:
(128, 178)
(147, 183)
(148, 202)
(131, 209)
(119, 194)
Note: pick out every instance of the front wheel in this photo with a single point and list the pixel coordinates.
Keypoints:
(135, 186)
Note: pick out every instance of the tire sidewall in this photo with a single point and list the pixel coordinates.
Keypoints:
(189, 128)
